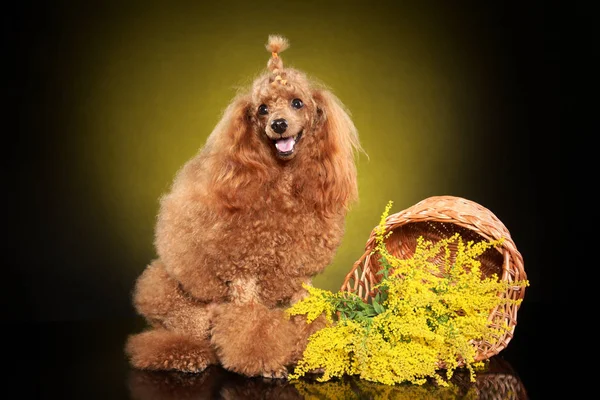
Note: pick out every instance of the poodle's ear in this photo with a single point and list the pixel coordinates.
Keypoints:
(239, 159)
(334, 120)
(339, 147)
(233, 126)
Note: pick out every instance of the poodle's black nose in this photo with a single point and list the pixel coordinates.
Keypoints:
(279, 125)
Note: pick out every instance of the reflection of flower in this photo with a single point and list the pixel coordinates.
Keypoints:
(497, 380)
(423, 316)
(357, 389)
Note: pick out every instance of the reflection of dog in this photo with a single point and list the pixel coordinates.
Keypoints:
(213, 383)
(258, 212)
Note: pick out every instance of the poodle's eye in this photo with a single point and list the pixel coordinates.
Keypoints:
(297, 104)
(263, 109)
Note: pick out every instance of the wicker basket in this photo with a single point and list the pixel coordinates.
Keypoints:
(440, 217)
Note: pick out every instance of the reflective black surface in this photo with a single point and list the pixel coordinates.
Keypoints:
(85, 360)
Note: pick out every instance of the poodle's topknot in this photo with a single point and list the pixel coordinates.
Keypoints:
(276, 45)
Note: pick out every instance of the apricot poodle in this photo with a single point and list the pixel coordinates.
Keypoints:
(259, 211)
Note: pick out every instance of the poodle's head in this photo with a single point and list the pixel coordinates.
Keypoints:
(283, 107)
(287, 119)
(291, 114)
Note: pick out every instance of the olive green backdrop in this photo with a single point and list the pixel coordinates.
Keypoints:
(112, 98)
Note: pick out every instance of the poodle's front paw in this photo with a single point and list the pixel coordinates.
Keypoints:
(253, 340)
(278, 373)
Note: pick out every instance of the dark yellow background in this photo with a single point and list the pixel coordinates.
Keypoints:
(109, 99)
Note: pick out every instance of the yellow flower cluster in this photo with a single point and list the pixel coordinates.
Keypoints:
(318, 302)
(332, 349)
(424, 316)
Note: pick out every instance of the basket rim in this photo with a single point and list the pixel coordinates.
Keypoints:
(456, 210)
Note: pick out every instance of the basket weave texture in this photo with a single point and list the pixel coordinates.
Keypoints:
(437, 218)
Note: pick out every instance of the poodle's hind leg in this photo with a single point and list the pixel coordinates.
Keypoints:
(179, 338)
(161, 301)
(162, 349)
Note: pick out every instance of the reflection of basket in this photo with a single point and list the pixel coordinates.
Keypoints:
(498, 380)
(440, 217)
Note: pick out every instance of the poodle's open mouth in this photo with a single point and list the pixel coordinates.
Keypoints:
(285, 146)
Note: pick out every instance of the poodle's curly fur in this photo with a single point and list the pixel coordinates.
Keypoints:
(259, 211)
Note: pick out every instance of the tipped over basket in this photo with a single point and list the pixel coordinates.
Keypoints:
(440, 217)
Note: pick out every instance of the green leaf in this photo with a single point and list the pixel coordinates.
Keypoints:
(378, 307)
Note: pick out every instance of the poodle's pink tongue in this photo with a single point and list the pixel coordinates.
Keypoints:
(285, 145)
